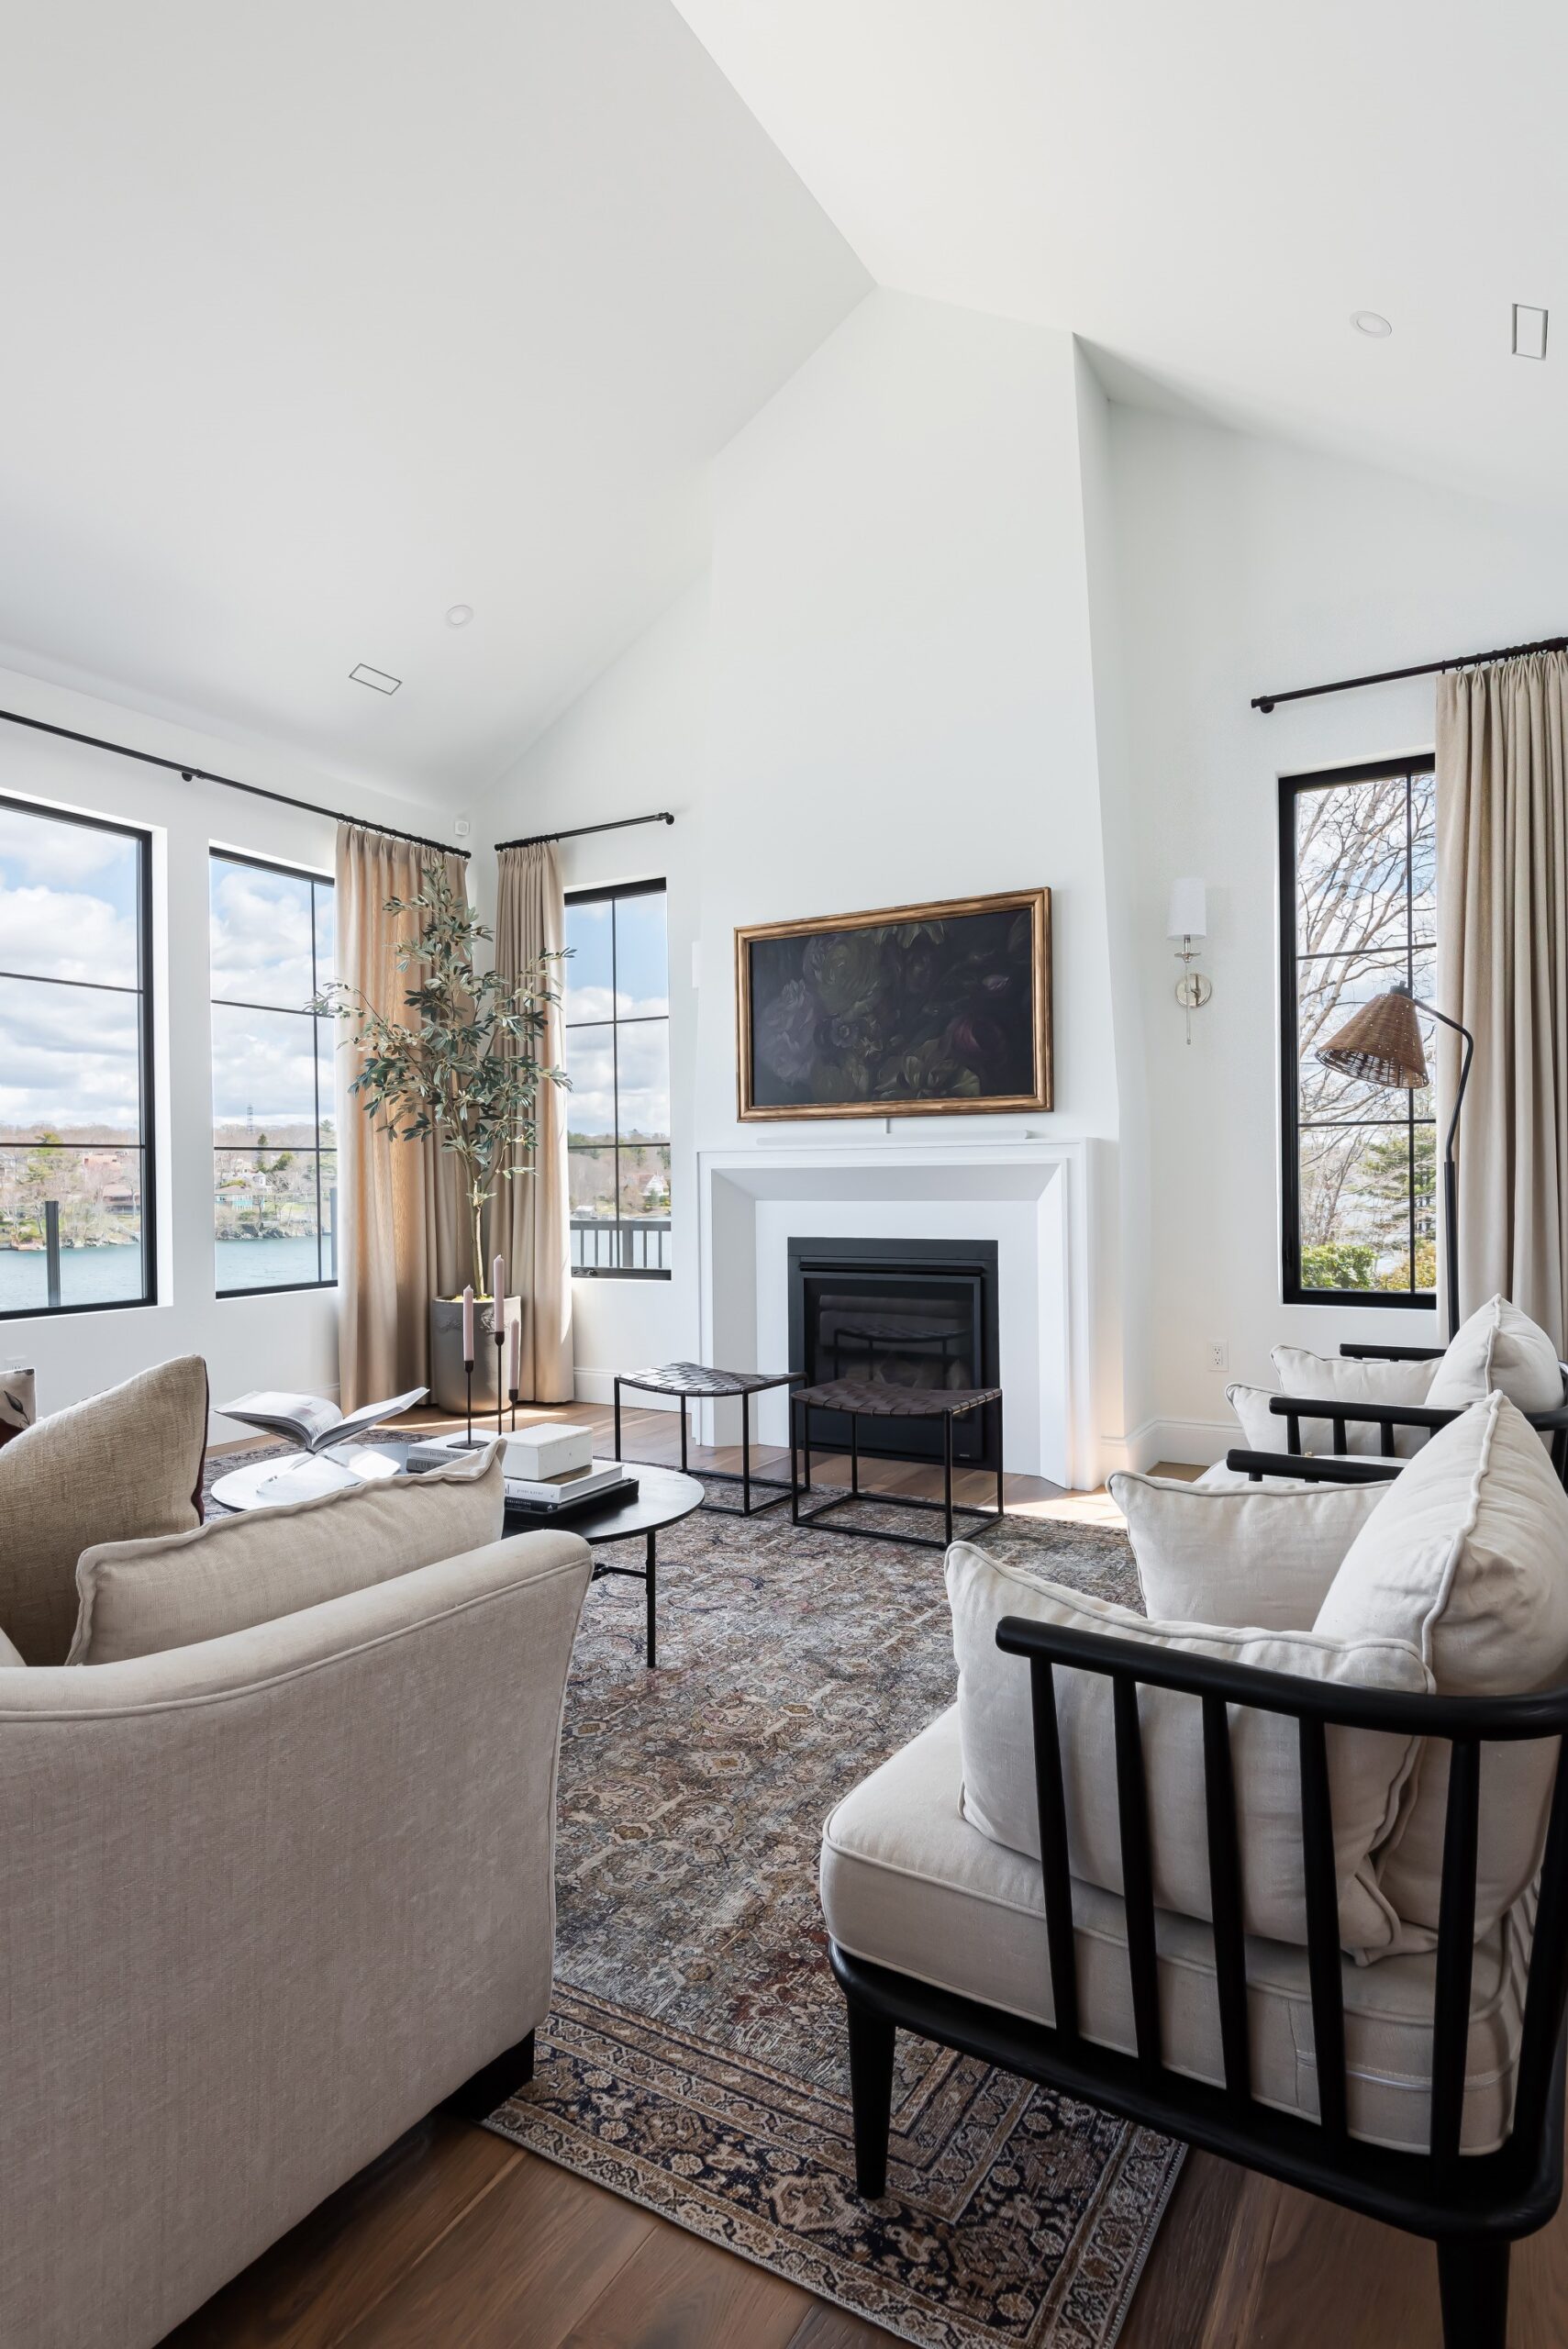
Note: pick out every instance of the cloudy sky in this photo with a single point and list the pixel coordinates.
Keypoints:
(619, 966)
(68, 910)
(262, 1051)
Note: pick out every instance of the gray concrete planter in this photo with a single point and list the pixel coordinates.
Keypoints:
(449, 1388)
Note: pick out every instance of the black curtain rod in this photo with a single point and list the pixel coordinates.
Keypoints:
(621, 824)
(1265, 702)
(202, 775)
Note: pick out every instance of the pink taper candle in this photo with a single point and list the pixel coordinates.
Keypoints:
(498, 1280)
(513, 1355)
(467, 1321)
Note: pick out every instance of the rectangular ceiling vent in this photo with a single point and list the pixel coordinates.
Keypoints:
(1529, 333)
(375, 678)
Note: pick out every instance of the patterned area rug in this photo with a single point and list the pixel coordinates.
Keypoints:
(695, 2059)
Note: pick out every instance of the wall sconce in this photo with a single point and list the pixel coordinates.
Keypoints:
(1188, 921)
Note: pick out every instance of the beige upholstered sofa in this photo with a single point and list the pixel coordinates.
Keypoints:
(264, 1901)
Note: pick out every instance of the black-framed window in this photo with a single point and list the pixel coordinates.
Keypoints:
(617, 1056)
(1358, 871)
(78, 1224)
(274, 1121)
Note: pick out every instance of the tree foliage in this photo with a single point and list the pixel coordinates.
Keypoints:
(1365, 855)
(461, 1062)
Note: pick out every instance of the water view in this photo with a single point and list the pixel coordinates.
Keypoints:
(111, 1276)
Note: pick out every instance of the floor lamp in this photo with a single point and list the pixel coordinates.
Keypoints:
(1380, 1042)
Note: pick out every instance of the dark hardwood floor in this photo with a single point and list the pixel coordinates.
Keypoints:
(454, 2236)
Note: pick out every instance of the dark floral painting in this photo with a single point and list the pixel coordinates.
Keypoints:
(923, 1008)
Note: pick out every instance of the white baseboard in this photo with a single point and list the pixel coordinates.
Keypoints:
(1197, 1442)
(598, 1386)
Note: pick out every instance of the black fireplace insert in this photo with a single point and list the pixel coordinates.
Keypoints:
(916, 1313)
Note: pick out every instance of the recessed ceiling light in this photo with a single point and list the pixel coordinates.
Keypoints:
(1370, 322)
(1529, 333)
(460, 615)
(377, 678)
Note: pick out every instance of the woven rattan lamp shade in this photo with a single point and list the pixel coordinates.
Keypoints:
(1380, 1042)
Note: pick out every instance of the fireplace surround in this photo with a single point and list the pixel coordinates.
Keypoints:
(905, 1312)
(1031, 1193)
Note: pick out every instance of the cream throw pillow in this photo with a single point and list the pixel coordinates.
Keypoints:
(1343, 1379)
(140, 1598)
(1366, 1770)
(1330, 1379)
(1262, 1556)
(9, 1655)
(124, 1463)
(1499, 1347)
(1466, 1558)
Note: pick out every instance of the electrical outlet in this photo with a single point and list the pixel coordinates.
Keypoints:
(1217, 1354)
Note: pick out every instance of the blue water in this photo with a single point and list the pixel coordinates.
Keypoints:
(113, 1276)
(267, 1264)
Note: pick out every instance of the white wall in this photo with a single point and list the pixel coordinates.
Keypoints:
(967, 627)
(885, 696)
(1245, 565)
(282, 1341)
(633, 744)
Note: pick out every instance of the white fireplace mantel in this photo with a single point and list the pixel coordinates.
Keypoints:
(1031, 1193)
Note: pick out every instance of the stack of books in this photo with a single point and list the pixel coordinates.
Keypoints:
(550, 1469)
(602, 1480)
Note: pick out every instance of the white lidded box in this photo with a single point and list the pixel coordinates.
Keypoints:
(550, 1448)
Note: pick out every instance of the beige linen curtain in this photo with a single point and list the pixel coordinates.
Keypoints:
(400, 1206)
(532, 1212)
(1502, 786)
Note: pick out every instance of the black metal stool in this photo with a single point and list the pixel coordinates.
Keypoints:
(861, 1400)
(694, 1381)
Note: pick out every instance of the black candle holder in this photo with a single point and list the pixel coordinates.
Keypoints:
(468, 1376)
(500, 1350)
(512, 1396)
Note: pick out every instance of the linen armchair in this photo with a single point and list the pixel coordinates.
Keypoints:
(1140, 1866)
(265, 1901)
(1383, 1402)
(1387, 1419)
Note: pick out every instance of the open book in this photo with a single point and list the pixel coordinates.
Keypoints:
(311, 1420)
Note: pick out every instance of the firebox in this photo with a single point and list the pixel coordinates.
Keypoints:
(916, 1313)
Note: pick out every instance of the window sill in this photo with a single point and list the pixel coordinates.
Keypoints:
(619, 1272)
(282, 1288)
(1368, 1300)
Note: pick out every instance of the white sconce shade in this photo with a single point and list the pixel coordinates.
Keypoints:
(1188, 916)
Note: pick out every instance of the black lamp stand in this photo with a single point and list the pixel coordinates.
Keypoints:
(1450, 1201)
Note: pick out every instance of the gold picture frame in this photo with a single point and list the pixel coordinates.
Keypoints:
(933, 1003)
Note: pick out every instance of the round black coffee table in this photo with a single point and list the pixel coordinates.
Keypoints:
(663, 1497)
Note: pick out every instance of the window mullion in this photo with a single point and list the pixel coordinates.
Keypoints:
(65, 1160)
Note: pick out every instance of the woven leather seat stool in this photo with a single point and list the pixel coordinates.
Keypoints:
(695, 1382)
(863, 1399)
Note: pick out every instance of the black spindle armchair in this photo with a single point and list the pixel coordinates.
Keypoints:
(1472, 2206)
(1387, 1418)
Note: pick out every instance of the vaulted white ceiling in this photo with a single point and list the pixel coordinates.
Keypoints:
(1206, 191)
(323, 316)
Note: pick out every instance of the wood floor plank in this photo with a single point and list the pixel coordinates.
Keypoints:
(655, 1437)
(1200, 2288)
(679, 2292)
(1332, 2275)
(1538, 2298)
(831, 2328)
(525, 2262)
(318, 2280)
